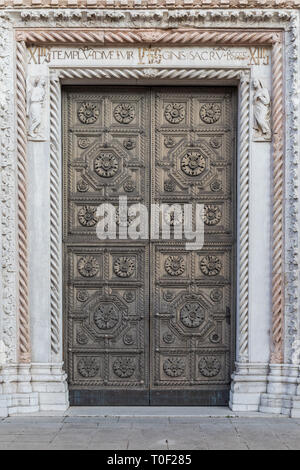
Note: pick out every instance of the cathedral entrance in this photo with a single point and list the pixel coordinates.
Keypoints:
(149, 321)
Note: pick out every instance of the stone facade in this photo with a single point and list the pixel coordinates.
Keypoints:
(252, 45)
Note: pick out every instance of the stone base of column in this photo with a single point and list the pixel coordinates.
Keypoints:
(282, 390)
(50, 382)
(31, 388)
(249, 381)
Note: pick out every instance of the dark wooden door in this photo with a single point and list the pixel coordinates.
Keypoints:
(148, 321)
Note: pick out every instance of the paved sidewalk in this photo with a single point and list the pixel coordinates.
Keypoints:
(149, 428)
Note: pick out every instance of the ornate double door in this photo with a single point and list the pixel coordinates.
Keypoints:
(148, 321)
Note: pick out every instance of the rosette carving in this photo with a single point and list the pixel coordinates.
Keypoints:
(210, 265)
(88, 113)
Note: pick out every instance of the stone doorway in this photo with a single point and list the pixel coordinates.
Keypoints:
(149, 322)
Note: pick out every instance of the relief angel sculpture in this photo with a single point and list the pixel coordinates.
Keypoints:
(35, 104)
(262, 112)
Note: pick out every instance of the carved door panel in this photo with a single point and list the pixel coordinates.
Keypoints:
(148, 321)
(106, 155)
(191, 329)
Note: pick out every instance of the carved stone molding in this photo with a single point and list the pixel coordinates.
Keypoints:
(8, 276)
(149, 36)
(151, 4)
(278, 206)
(24, 318)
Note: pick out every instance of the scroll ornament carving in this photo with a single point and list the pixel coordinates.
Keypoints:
(88, 367)
(82, 186)
(8, 300)
(82, 295)
(215, 142)
(124, 367)
(88, 113)
(129, 186)
(35, 104)
(209, 366)
(88, 266)
(174, 366)
(262, 112)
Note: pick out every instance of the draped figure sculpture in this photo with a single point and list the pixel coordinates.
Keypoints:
(35, 104)
(262, 112)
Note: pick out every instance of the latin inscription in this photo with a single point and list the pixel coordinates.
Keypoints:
(150, 55)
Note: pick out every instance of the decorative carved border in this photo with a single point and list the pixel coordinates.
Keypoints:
(189, 36)
(151, 4)
(243, 76)
(193, 37)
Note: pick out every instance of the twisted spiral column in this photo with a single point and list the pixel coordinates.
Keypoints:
(24, 320)
(277, 199)
(243, 353)
(54, 215)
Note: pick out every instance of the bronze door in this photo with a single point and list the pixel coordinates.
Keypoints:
(148, 321)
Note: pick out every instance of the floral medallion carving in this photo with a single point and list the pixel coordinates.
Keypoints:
(192, 315)
(129, 186)
(216, 295)
(168, 296)
(215, 142)
(169, 186)
(174, 366)
(82, 186)
(169, 142)
(88, 113)
(214, 338)
(193, 163)
(87, 216)
(88, 367)
(88, 266)
(106, 316)
(129, 144)
(124, 113)
(128, 339)
(174, 265)
(124, 367)
(212, 214)
(81, 337)
(168, 338)
(216, 186)
(106, 164)
(209, 366)
(129, 296)
(84, 142)
(82, 295)
(210, 265)
(210, 113)
(124, 266)
(174, 112)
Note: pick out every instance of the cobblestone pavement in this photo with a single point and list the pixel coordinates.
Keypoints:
(160, 431)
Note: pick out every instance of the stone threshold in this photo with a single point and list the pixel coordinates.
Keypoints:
(151, 412)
